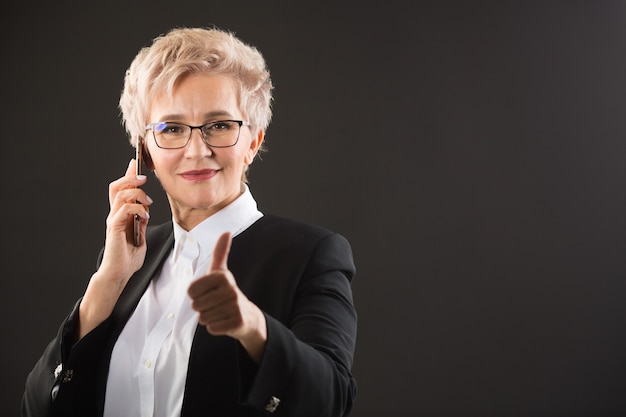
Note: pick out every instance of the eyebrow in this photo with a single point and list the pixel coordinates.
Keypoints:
(208, 115)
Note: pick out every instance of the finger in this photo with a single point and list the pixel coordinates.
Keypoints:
(128, 181)
(203, 286)
(210, 291)
(130, 170)
(220, 325)
(132, 201)
(132, 195)
(136, 180)
(220, 253)
(123, 216)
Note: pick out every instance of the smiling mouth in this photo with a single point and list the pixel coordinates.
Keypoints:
(199, 174)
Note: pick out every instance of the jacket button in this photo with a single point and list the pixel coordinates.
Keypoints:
(272, 404)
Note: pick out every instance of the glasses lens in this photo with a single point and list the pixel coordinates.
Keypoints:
(222, 133)
(171, 135)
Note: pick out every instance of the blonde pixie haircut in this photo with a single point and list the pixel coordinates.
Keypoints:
(183, 51)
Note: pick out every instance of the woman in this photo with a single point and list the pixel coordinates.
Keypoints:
(223, 311)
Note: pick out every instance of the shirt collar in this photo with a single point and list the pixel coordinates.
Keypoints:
(234, 218)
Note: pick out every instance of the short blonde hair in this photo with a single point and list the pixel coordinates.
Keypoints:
(183, 51)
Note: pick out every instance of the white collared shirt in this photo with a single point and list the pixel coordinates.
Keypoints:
(149, 361)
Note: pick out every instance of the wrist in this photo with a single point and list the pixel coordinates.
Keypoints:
(255, 340)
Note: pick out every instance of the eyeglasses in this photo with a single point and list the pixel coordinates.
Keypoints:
(218, 134)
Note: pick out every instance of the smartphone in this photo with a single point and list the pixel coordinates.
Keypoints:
(137, 219)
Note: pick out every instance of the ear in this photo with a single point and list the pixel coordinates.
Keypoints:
(255, 145)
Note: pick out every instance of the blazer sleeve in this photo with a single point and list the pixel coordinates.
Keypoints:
(43, 378)
(306, 366)
(61, 382)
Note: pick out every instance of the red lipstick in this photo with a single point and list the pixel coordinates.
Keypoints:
(199, 174)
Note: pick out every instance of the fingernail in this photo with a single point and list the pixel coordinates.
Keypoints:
(149, 199)
(141, 177)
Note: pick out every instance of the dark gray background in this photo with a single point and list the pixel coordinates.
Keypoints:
(472, 152)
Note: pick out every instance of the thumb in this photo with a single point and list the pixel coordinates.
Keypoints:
(220, 252)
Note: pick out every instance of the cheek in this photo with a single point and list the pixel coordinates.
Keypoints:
(163, 158)
(232, 159)
(163, 165)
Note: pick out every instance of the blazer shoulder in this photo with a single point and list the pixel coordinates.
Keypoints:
(285, 229)
(273, 234)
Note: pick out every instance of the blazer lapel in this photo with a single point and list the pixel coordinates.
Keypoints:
(161, 240)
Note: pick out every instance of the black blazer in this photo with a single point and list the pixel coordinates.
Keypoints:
(299, 275)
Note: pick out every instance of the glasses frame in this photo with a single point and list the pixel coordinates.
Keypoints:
(241, 123)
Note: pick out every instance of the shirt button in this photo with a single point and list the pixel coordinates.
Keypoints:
(170, 316)
(148, 363)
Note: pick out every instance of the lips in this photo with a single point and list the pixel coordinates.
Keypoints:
(199, 174)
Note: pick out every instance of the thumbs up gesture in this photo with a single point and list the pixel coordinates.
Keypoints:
(223, 308)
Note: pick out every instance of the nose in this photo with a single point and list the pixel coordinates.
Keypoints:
(197, 145)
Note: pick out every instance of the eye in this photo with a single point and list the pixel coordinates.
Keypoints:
(219, 126)
(168, 128)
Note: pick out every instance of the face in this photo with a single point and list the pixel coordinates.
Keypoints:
(199, 180)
